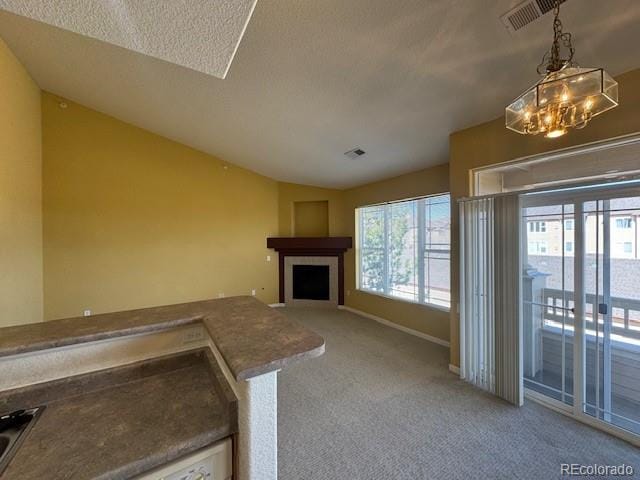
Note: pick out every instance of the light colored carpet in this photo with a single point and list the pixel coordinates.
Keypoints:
(381, 404)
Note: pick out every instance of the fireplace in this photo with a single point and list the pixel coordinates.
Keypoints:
(311, 269)
(311, 282)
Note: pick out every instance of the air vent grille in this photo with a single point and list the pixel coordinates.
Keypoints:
(523, 16)
(525, 13)
(547, 5)
(355, 153)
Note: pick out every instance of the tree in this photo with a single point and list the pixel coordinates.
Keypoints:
(400, 265)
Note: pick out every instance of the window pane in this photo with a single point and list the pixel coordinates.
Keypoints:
(372, 254)
(438, 222)
(402, 250)
(437, 250)
(437, 286)
(372, 227)
(372, 270)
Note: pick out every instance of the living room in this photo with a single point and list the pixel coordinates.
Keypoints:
(225, 189)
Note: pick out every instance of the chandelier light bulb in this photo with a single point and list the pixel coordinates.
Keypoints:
(555, 133)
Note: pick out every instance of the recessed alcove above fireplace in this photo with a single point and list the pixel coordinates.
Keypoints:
(311, 269)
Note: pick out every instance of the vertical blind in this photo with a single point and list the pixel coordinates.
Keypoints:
(490, 332)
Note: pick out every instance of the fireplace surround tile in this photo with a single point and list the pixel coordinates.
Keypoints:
(290, 261)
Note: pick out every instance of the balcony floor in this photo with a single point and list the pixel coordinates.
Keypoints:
(625, 411)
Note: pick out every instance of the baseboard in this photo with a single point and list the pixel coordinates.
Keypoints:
(454, 369)
(391, 324)
(276, 305)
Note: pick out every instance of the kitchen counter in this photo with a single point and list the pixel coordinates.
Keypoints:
(120, 422)
(252, 337)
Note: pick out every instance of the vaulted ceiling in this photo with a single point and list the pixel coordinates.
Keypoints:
(310, 80)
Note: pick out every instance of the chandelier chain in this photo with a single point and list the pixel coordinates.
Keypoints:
(551, 61)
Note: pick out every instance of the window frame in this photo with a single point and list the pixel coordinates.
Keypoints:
(421, 251)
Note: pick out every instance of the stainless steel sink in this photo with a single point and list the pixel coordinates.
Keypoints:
(14, 428)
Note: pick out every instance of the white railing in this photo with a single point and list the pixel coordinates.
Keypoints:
(625, 312)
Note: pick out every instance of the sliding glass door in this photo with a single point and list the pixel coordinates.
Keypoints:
(612, 310)
(548, 299)
(581, 302)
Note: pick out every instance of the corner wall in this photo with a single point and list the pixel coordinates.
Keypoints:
(132, 219)
(20, 194)
(491, 143)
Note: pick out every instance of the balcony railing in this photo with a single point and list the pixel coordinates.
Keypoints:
(625, 312)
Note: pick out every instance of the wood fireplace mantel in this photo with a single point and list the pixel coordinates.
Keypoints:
(333, 244)
(311, 246)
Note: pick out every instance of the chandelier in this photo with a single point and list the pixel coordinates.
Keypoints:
(566, 97)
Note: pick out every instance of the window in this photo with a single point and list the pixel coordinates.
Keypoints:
(623, 250)
(537, 248)
(568, 247)
(538, 227)
(404, 249)
(624, 222)
(568, 224)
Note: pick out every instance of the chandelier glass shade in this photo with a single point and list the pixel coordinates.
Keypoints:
(564, 99)
(567, 96)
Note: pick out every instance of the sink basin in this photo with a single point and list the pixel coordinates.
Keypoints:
(14, 427)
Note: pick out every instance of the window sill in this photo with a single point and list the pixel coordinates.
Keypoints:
(405, 300)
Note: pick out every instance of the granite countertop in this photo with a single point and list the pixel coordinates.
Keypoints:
(120, 422)
(252, 337)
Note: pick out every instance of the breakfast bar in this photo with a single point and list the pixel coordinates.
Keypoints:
(127, 393)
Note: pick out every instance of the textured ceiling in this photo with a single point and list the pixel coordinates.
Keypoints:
(311, 80)
(198, 34)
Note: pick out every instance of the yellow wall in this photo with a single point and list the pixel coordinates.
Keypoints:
(20, 194)
(311, 219)
(491, 143)
(289, 193)
(423, 318)
(132, 219)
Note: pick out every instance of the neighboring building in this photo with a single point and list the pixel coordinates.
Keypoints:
(545, 234)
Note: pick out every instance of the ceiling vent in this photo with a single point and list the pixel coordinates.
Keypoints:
(355, 153)
(525, 13)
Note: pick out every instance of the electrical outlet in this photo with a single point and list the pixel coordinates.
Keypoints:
(348, 292)
(193, 335)
(253, 292)
(221, 295)
(268, 258)
(86, 313)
